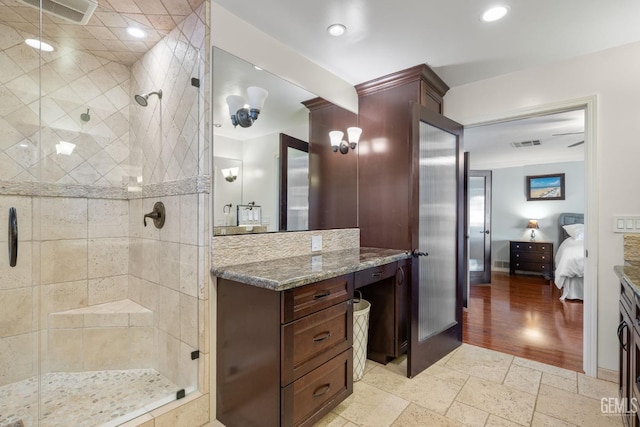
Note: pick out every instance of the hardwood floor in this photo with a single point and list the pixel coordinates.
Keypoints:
(523, 316)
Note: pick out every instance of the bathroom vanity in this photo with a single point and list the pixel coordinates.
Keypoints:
(285, 332)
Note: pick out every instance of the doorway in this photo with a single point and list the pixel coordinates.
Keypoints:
(527, 139)
(479, 227)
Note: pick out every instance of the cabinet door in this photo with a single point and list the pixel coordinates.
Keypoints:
(439, 271)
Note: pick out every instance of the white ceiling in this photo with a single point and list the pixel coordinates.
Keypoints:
(491, 145)
(385, 36)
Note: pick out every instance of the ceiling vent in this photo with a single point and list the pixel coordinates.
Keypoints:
(525, 143)
(76, 11)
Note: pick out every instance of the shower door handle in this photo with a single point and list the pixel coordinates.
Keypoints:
(13, 237)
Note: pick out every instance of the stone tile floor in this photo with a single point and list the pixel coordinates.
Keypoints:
(82, 398)
(473, 386)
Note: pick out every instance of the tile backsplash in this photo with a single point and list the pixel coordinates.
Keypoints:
(245, 248)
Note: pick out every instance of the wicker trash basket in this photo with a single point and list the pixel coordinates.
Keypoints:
(360, 334)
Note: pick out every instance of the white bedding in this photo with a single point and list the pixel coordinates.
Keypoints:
(570, 269)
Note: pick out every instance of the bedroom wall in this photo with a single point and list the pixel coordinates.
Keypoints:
(612, 75)
(511, 210)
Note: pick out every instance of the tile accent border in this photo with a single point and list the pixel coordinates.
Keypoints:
(192, 185)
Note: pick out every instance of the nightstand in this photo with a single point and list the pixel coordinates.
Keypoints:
(533, 257)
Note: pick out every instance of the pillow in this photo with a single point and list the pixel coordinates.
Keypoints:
(575, 230)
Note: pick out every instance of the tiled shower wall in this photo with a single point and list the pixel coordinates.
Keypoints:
(93, 245)
(166, 135)
(72, 83)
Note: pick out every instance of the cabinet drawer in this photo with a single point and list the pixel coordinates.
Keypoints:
(308, 299)
(540, 257)
(533, 266)
(531, 247)
(375, 274)
(309, 398)
(312, 340)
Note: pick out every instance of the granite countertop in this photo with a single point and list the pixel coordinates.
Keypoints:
(631, 274)
(286, 273)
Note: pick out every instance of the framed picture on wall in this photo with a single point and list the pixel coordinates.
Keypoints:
(545, 187)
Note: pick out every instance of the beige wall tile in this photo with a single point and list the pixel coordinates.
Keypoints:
(150, 266)
(189, 270)
(65, 350)
(19, 276)
(141, 319)
(65, 321)
(204, 372)
(193, 413)
(108, 218)
(204, 325)
(108, 289)
(62, 296)
(17, 358)
(168, 311)
(136, 216)
(63, 260)
(189, 320)
(135, 257)
(141, 347)
(106, 348)
(108, 257)
(169, 254)
(167, 355)
(188, 375)
(103, 320)
(171, 230)
(63, 218)
(17, 312)
(189, 219)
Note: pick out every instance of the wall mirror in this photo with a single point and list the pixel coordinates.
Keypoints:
(248, 161)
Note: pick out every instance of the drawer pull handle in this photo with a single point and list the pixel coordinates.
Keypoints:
(322, 390)
(322, 295)
(378, 274)
(323, 336)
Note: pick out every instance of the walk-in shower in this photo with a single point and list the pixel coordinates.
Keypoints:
(99, 316)
(143, 99)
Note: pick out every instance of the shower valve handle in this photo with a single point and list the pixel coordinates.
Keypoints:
(157, 215)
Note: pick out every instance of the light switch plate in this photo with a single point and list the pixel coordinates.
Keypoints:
(316, 243)
(628, 224)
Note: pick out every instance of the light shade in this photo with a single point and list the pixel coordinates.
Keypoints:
(533, 223)
(235, 103)
(257, 96)
(230, 174)
(335, 136)
(354, 136)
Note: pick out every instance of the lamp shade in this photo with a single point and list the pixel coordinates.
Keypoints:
(533, 223)
(354, 134)
(336, 138)
(257, 96)
(235, 103)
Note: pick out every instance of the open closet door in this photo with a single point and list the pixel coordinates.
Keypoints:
(439, 264)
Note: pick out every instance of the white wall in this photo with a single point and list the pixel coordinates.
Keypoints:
(511, 210)
(260, 162)
(612, 75)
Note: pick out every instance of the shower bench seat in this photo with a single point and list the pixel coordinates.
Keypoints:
(113, 335)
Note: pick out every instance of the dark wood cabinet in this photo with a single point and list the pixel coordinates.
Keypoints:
(387, 289)
(629, 340)
(533, 257)
(283, 358)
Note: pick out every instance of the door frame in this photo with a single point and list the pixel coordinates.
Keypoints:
(590, 308)
(486, 273)
(421, 356)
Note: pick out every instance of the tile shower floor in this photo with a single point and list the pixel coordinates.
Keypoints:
(82, 398)
(473, 386)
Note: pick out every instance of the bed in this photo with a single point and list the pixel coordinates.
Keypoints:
(569, 259)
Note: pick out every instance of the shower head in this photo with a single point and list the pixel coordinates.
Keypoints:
(142, 99)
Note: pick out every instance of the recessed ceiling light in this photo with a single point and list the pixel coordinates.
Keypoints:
(336, 30)
(136, 32)
(257, 68)
(217, 125)
(495, 13)
(37, 44)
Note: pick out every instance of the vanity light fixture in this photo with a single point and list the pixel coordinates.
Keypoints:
(337, 143)
(336, 30)
(533, 225)
(495, 13)
(243, 114)
(230, 174)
